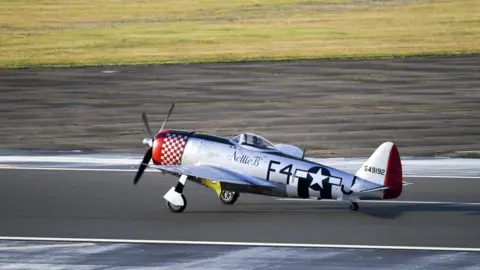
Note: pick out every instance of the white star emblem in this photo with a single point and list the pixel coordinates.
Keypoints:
(318, 178)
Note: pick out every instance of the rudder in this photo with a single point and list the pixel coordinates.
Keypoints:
(384, 167)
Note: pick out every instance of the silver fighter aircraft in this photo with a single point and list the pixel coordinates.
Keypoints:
(249, 163)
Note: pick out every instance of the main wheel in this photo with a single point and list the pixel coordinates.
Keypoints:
(177, 208)
(354, 206)
(229, 197)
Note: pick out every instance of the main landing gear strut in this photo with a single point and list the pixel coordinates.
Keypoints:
(176, 201)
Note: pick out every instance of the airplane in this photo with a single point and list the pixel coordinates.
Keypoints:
(249, 163)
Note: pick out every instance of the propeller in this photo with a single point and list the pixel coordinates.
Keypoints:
(148, 155)
(147, 126)
(168, 116)
(143, 165)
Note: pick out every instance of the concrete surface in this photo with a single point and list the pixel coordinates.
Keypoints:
(88, 255)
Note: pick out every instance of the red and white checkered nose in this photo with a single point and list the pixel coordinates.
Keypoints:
(168, 148)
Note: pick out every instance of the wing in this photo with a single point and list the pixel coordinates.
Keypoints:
(214, 173)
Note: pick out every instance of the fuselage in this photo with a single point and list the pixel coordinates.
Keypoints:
(295, 177)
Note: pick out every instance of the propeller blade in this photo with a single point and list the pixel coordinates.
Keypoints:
(168, 116)
(145, 122)
(143, 165)
(148, 155)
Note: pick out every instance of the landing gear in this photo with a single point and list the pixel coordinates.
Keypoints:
(177, 208)
(354, 206)
(176, 201)
(228, 197)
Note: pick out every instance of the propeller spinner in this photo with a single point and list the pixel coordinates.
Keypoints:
(148, 154)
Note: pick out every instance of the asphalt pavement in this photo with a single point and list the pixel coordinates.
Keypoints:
(95, 204)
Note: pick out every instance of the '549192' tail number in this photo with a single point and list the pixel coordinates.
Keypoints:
(374, 170)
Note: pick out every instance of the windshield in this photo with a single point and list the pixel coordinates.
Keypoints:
(254, 141)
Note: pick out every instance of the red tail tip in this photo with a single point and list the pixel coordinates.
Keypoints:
(393, 177)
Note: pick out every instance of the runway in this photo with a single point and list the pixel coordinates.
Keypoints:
(95, 204)
(428, 106)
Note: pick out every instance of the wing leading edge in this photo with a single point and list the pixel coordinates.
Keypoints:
(214, 173)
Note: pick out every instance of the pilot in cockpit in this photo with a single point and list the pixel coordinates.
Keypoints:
(252, 140)
(257, 142)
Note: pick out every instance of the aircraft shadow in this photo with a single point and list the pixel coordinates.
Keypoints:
(374, 210)
(396, 210)
(271, 208)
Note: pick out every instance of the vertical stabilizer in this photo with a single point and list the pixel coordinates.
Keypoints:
(384, 167)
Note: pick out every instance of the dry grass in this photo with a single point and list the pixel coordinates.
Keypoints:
(87, 32)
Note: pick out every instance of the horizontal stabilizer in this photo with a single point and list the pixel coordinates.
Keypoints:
(362, 186)
(405, 183)
(374, 189)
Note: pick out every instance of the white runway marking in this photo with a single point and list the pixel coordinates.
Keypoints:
(288, 245)
(13, 167)
(441, 176)
(384, 202)
(45, 246)
(10, 167)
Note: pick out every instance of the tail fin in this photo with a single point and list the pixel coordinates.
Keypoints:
(384, 167)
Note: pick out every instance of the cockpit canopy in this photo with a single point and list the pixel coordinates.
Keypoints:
(254, 140)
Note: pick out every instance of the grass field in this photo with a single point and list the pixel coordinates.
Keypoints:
(88, 32)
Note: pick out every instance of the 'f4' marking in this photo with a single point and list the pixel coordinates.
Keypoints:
(287, 170)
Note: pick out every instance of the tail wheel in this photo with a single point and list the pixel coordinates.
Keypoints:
(354, 206)
(229, 197)
(177, 208)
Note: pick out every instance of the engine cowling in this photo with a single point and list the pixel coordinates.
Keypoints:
(168, 147)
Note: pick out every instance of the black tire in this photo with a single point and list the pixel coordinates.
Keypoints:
(177, 208)
(354, 206)
(228, 197)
